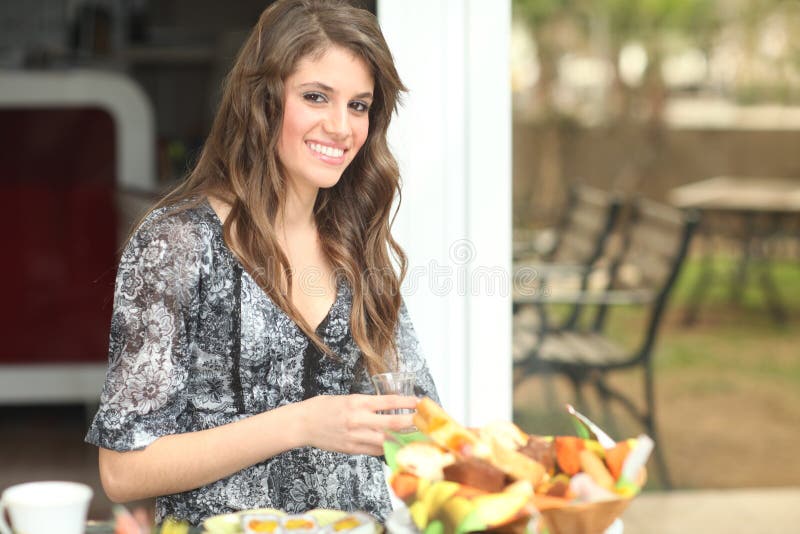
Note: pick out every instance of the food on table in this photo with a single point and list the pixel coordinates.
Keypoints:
(355, 523)
(295, 523)
(568, 450)
(495, 449)
(557, 486)
(592, 465)
(260, 523)
(456, 479)
(279, 524)
(435, 423)
(506, 433)
(476, 473)
(319, 520)
(346, 524)
(299, 524)
(515, 464)
(616, 456)
(542, 450)
(425, 460)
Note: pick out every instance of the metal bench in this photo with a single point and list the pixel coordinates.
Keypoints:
(643, 272)
(575, 247)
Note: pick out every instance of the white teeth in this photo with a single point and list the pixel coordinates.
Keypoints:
(326, 150)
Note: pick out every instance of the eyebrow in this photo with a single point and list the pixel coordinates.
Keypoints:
(328, 88)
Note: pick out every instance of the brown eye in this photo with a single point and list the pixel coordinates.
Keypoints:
(316, 98)
(359, 106)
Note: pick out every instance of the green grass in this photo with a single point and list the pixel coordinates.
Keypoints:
(786, 275)
(728, 335)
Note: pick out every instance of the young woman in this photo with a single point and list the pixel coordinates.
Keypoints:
(255, 301)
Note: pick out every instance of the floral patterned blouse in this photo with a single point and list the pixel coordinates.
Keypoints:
(195, 344)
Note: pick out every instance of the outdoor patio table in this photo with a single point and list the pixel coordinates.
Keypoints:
(752, 210)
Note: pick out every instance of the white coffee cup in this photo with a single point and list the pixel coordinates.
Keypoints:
(45, 508)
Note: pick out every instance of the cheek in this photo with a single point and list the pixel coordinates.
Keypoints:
(294, 127)
(360, 132)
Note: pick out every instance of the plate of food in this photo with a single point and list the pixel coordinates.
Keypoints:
(268, 520)
(498, 478)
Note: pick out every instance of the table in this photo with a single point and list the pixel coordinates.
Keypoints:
(732, 511)
(726, 511)
(752, 210)
(107, 527)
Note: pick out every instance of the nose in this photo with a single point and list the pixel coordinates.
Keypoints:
(337, 122)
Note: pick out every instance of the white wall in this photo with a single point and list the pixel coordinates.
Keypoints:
(452, 138)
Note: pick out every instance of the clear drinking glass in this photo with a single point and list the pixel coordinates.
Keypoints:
(399, 383)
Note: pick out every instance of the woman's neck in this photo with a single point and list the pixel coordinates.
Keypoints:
(297, 213)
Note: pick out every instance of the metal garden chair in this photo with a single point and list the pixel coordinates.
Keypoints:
(655, 241)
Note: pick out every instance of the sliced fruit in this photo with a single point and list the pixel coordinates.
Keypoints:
(404, 485)
(616, 457)
(568, 450)
(593, 466)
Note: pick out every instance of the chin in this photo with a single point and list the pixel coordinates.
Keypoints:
(326, 182)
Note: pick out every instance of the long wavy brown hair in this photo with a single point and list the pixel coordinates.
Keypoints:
(239, 164)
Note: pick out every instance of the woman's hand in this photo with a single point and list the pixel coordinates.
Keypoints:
(350, 424)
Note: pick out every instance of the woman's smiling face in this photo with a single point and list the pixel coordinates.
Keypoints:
(325, 118)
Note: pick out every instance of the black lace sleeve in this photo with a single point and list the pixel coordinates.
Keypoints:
(144, 395)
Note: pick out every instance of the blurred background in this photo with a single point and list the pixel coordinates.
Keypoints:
(641, 98)
(629, 98)
(650, 95)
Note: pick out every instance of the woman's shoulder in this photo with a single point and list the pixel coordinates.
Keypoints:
(188, 223)
(183, 215)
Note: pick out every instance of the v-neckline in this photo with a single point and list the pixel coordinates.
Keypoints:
(323, 324)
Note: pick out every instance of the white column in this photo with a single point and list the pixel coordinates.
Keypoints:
(452, 138)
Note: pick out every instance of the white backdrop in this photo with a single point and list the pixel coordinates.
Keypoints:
(452, 138)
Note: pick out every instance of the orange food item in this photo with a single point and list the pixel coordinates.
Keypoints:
(298, 523)
(593, 466)
(347, 523)
(461, 443)
(261, 525)
(568, 449)
(433, 421)
(615, 458)
(404, 485)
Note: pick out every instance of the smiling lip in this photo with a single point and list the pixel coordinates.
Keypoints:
(327, 152)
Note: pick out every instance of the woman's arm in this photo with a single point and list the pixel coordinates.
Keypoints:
(181, 462)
